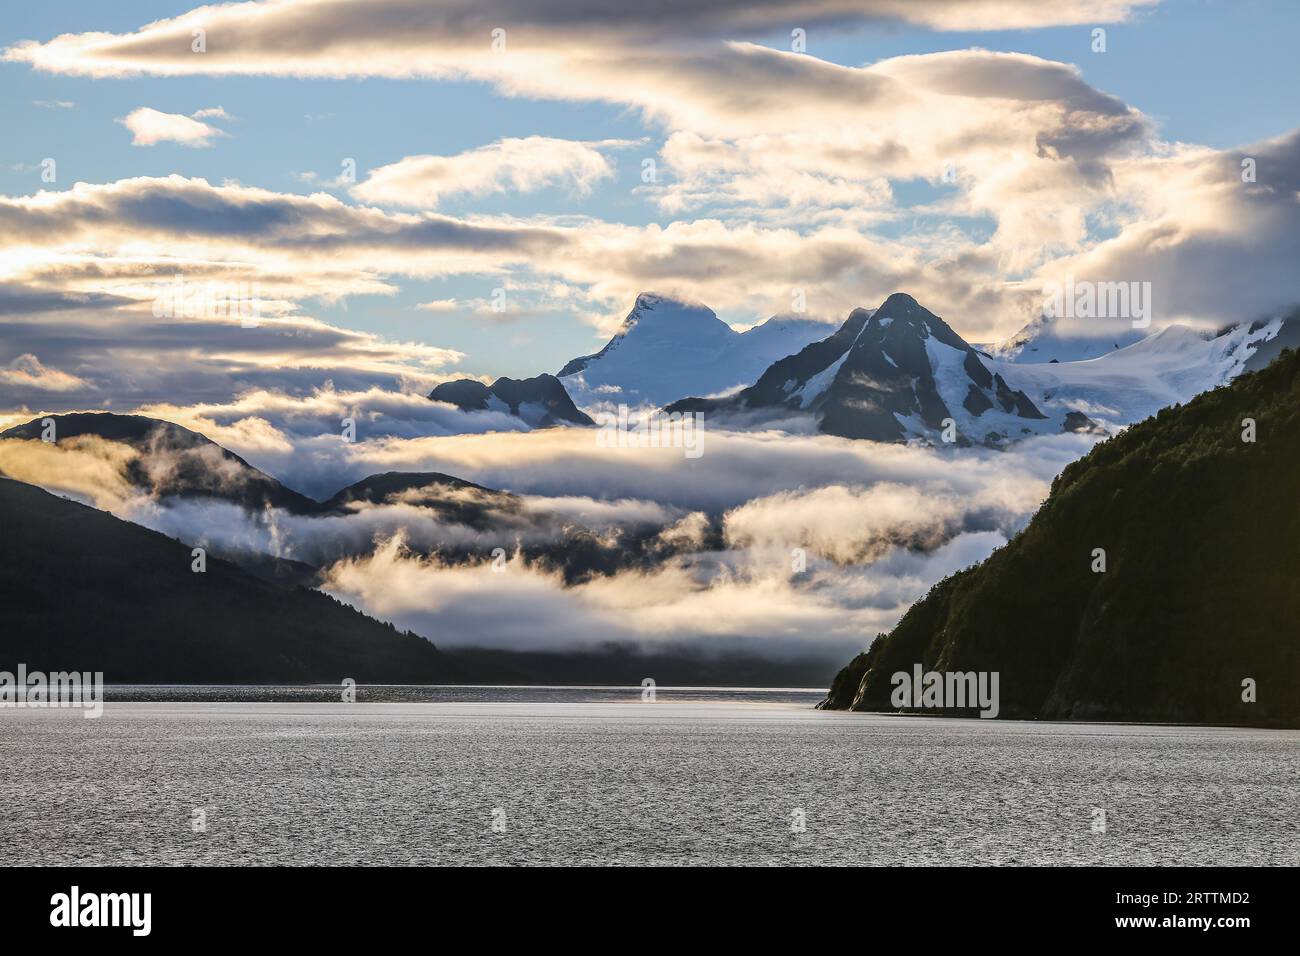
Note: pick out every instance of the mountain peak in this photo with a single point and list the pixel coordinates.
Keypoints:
(910, 315)
(667, 309)
(669, 347)
(650, 300)
(899, 304)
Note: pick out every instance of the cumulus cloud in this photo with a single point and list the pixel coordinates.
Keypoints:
(508, 165)
(790, 162)
(1215, 243)
(26, 372)
(149, 127)
(754, 133)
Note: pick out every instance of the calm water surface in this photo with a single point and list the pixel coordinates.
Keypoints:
(582, 775)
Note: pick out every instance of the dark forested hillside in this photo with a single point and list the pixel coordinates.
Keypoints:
(82, 590)
(1200, 592)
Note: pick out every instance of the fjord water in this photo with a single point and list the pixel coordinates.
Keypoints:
(699, 776)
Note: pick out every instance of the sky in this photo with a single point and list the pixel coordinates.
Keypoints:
(522, 169)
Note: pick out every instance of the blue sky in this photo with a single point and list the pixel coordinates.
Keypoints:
(1214, 74)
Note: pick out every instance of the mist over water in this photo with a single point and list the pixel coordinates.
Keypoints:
(595, 775)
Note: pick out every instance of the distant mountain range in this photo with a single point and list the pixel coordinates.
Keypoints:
(1201, 538)
(898, 373)
(901, 373)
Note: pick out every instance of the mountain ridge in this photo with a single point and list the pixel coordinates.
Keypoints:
(541, 401)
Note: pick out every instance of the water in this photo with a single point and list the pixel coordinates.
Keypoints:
(596, 776)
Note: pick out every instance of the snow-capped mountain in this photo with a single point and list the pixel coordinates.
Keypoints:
(1169, 367)
(540, 402)
(667, 349)
(894, 374)
(897, 374)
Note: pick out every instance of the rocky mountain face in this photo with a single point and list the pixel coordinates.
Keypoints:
(541, 401)
(897, 373)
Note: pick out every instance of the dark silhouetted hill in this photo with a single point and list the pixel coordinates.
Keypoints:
(1201, 532)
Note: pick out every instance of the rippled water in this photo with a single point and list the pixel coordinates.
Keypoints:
(597, 776)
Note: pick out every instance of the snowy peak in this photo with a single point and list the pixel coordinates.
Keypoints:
(895, 373)
(667, 348)
(654, 324)
(901, 323)
(797, 379)
(909, 374)
(656, 317)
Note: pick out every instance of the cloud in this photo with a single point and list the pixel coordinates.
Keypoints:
(746, 602)
(126, 356)
(880, 525)
(291, 422)
(508, 165)
(27, 372)
(406, 38)
(1217, 238)
(439, 305)
(149, 127)
(86, 467)
(297, 440)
